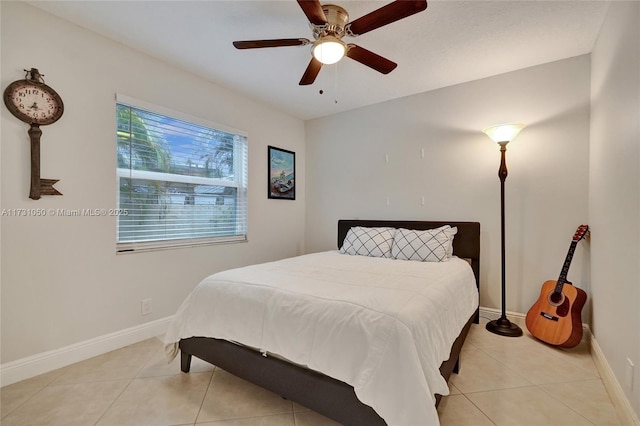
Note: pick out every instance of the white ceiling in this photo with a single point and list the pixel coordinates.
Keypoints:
(449, 43)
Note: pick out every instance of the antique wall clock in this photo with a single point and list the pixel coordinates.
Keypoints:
(37, 104)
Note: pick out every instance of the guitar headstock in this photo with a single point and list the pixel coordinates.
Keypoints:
(581, 232)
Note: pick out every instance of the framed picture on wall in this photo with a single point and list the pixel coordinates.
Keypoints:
(282, 174)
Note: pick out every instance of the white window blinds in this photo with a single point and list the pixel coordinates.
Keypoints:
(181, 182)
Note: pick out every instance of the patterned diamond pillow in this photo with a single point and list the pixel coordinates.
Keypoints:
(432, 245)
(374, 242)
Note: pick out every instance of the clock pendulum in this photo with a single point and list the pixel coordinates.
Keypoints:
(35, 103)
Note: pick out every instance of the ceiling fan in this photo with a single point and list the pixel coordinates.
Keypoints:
(330, 23)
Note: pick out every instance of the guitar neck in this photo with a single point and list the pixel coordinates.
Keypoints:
(562, 279)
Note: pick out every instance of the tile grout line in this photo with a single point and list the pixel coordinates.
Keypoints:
(507, 367)
(479, 409)
(204, 397)
(122, 391)
(561, 402)
(113, 402)
(2, 417)
(40, 389)
(135, 376)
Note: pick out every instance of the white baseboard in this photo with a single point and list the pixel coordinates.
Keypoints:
(25, 368)
(494, 314)
(617, 395)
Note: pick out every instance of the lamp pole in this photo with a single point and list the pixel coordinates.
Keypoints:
(502, 174)
(503, 326)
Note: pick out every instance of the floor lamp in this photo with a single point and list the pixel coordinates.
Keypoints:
(503, 134)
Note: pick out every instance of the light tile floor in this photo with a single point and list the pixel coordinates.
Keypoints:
(503, 381)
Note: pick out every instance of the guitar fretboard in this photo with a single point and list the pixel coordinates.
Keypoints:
(565, 267)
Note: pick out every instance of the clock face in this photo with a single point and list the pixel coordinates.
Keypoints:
(33, 102)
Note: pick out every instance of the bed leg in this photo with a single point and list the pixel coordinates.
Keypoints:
(185, 361)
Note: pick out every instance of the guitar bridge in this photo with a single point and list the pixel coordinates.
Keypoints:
(549, 316)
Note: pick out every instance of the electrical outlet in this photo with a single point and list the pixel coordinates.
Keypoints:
(630, 374)
(147, 308)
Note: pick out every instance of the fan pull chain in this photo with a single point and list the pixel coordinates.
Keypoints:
(335, 88)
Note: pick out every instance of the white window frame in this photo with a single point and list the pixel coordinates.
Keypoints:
(240, 182)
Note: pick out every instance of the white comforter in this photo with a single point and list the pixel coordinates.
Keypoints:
(383, 326)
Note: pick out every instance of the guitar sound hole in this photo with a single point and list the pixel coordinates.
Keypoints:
(556, 299)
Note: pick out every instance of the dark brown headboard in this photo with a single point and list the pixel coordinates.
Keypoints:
(466, 243)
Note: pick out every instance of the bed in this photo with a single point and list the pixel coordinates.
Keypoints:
(298, 373)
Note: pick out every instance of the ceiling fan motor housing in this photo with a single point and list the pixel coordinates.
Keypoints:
(337, 20)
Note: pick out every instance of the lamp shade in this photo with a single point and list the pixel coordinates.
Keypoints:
(504, 132)
(329, 50)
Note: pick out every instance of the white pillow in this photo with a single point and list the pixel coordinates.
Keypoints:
(432, 245)
(374, 242)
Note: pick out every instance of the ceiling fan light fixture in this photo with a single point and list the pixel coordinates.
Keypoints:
(328, 50)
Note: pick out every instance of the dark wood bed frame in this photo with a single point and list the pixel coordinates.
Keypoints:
(326, 395)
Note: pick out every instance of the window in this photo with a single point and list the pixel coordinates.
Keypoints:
(180, 183)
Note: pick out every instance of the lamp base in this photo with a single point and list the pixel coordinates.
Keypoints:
(504, 327)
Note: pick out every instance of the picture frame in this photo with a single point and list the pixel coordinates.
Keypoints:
(281, 170)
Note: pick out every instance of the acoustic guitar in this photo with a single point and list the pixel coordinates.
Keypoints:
(556, 317)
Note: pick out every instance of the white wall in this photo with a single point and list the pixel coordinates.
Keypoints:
(62, 281)
(546, 190)
(614, 193)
